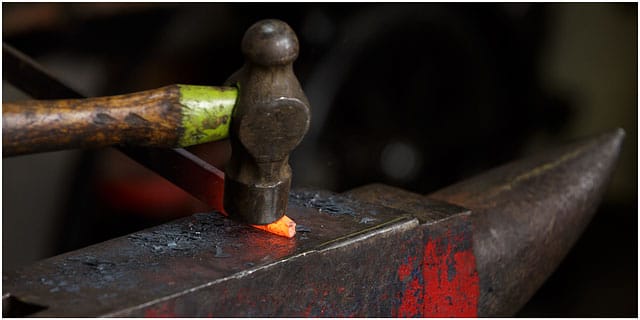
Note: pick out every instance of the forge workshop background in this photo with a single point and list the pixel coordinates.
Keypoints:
(412, 95)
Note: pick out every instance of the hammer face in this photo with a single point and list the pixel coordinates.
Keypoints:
(258, 204)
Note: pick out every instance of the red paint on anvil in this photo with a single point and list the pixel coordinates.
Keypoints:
(444, 282)
(412, 301)
(451, 280)
(411, 298)
(163, 310)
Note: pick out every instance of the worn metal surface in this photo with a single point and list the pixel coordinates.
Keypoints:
(349, 258)
(373, 251)
(171, 116)
(271, 117)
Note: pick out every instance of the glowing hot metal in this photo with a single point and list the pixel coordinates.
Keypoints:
(283, 227)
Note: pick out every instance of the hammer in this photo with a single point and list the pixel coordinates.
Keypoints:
(262, 110)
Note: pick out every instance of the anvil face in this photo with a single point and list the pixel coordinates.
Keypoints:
(350, 258)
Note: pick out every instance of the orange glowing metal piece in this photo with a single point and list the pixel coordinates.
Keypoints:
(283, 227)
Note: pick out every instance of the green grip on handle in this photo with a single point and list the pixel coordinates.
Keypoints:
(206, 113)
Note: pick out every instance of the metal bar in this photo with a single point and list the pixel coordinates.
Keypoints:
(373, 251)
(30, 77)
(179, 166)
(184, 169)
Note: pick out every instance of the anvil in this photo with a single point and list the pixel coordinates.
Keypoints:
(481, 247)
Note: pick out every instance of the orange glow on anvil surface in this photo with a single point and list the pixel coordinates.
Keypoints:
(283, 227)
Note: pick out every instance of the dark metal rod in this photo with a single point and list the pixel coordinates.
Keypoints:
(30, 77)
(184, 169)
(179, 166)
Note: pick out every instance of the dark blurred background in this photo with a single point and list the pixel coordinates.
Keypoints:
(412, 95)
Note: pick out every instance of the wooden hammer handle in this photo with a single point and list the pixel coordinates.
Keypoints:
(170, 116)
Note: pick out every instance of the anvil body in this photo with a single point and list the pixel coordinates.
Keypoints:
(478, 248)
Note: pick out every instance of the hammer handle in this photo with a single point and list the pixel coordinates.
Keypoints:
(171, 116)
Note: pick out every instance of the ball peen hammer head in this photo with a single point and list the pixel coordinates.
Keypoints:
(269, 120)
